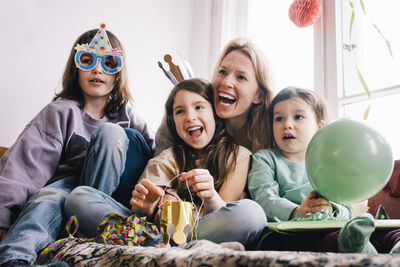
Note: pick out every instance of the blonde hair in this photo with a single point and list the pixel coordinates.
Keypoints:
(257, 118)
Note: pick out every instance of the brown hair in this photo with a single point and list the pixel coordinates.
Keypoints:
(120, 94)
(317, 103)
(258, 132)
(219, 156)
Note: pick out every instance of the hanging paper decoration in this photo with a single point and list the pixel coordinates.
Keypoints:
(304, 13)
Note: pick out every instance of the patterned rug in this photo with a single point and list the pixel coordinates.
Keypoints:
(78, 252)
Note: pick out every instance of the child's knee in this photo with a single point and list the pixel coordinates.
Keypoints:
(48, 194)
(77, 197)
(110, 135)
(107, 130)
(251, 214)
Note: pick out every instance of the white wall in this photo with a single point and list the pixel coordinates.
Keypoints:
(36, 37)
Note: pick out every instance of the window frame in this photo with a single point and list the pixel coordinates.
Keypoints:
(328, 70)
(328, 62)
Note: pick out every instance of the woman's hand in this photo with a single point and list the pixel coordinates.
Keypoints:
(145, 197)
(202, 183)
(311, 204)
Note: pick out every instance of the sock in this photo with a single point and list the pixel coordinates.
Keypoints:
(354, 237)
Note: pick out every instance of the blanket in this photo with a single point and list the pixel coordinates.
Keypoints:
(79, 252)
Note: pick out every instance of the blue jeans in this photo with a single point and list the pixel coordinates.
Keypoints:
(115, 158)
(241, 221)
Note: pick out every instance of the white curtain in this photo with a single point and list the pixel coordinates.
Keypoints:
(215, 23)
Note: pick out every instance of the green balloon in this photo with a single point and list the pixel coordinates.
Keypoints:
(347, 161)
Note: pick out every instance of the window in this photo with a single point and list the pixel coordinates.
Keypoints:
(288, 47)
(322, 57)
(368, 51)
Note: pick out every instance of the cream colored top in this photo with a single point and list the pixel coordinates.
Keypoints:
(163, 168)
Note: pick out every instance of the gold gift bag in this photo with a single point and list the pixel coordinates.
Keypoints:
(177, 221)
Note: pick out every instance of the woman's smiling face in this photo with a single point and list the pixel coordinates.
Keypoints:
(194, 119)
(235, 86)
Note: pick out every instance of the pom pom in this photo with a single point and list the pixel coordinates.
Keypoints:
(103, 26)
(304, 13)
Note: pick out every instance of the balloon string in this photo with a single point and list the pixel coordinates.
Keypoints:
(197, 219)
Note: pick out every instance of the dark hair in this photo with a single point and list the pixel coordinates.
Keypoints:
(120, 94)
(317, 103)
(219, 156)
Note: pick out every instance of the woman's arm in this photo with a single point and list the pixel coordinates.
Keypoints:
(164, 138)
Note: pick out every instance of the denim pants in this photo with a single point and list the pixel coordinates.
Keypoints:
(114, 162)
(241, 221)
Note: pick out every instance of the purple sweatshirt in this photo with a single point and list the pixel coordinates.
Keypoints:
(54, 139)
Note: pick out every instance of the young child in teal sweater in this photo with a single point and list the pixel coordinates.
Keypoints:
(278, 180)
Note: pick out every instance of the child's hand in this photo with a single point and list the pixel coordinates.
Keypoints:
(311, 204)
(145, 197)
(201, 182)
(165, 198)
(318, 203)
